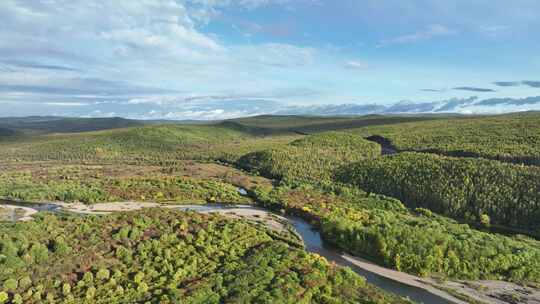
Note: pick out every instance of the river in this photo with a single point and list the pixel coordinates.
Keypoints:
(313, 243)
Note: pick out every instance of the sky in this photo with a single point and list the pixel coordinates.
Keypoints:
(214, 59)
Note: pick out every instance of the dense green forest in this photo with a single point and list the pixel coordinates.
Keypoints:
(313, 158)
(470, 189)
(511, 138)
(164, 256)
(415, 241)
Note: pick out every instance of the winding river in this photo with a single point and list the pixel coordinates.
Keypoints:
(376, 275)
(314, 243)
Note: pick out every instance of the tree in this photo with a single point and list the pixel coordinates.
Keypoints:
(25, 282)
(10, 284)
(90, 292)
(485, 220)
(4, 297)
(88, 278)
(17, 299)
(103, 274)
(66, 289)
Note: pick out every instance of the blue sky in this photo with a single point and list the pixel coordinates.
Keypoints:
(208, 59)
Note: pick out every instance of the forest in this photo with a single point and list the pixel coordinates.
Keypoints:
(416, 241)
(459, 200)
(513, 138)
(462, 188)
(164, 256)
(313, 158)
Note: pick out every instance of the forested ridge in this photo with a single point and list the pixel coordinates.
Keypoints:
(470, 189)
(513, 138)
(313, 158)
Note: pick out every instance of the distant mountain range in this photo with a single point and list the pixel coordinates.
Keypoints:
(221, 109)
(472, 105)
(234, 108)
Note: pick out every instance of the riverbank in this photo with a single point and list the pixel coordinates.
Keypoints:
(18, 213)
(497, 292)
(401, 277)
(272, 221)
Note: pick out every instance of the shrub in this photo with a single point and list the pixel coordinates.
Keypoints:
(103, 274)
(25, 282)
(485, 220)
(4, 297)
(11, 284)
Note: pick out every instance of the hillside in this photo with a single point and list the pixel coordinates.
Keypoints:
(315, 124)
(511, 138)
(45, 125)
(6, 132)
(152, 143)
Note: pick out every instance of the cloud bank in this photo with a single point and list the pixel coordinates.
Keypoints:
(225, 107)
(210, 59)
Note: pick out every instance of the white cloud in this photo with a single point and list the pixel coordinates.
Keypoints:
(275, 54)
(115, 49)
(433, 31)
(216, 114)
(159, 26)
(66, 104)
(357, 65)
(137, 54)
(494, 31)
